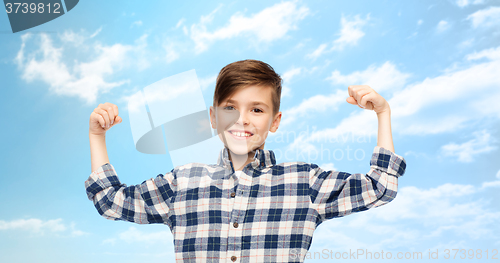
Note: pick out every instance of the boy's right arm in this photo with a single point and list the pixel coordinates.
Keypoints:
(102, 119)
(144, 203)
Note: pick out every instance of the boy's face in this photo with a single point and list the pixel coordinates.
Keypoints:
(244, 119)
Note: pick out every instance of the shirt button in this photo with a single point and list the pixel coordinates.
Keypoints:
(235, 225)
(263, 164)
(233, 194)
(233, 258)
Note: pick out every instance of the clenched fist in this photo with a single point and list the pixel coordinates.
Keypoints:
(365, 97)
(103, 117)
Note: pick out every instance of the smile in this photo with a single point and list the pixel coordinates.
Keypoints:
(241, 134)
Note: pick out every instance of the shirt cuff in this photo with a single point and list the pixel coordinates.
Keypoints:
(387, 161)
(104, 177)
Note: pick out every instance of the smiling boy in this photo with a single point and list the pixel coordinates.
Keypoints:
(245, 208)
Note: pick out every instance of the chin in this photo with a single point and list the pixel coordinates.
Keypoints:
(239, 149)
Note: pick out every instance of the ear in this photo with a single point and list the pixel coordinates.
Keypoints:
(276, 122)
(212, 117)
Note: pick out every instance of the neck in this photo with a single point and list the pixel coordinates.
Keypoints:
(240, 161)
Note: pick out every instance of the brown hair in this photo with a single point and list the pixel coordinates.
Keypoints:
(246, 73)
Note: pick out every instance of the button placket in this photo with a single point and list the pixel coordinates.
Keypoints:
(240, 204)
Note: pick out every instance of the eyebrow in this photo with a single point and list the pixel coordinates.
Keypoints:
(253, 103)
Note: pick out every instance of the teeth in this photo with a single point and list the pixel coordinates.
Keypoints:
(241, 134)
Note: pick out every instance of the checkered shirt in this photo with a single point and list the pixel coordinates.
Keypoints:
(268, 214)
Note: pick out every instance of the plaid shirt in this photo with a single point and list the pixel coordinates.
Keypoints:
(267, 214)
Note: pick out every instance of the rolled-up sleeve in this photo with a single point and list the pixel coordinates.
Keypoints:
(337, 194)
(144, 203)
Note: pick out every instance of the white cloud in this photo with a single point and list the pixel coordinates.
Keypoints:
(96, 32)
(495, 183)
(171, 50)
(33, 225)
(442, 26)
(137, 23)
(328, 167)
(268, 25)
(40, 227)
(288, 77)
(414, 203)
(180, 23)
(491, 184)
(464, 3)
(488, 105)
(450, 94)
(433, 125)
(290, 74)
(465, 152)
(382, 78)
(466, 43)
(360, 124)
(317, 52)
(491, 54)
(208, 82)
(69, 36)
(418, 218)
(414, 34)
(350, 33)
(315, 104)
(40, 60)
(459, 95)
(449, 87)
(419, 22)
(485, 17)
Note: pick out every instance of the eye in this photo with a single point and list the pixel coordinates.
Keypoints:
(258, 110)
(229, 108)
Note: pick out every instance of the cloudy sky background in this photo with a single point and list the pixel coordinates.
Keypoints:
(436, 62)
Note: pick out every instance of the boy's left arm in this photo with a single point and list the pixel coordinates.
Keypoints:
(366, 98)
(336, 194)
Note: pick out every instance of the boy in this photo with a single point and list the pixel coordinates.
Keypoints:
(246, 207)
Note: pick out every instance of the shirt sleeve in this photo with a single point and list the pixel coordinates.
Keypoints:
(145, 203)
(337, 194)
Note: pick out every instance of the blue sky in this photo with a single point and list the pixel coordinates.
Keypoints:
(436, 62)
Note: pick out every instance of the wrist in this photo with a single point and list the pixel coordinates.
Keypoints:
(386, 111)
(97, 136)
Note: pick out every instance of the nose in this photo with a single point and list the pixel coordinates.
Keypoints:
(243, 118)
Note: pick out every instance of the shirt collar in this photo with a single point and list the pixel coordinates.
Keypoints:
(262, 159)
